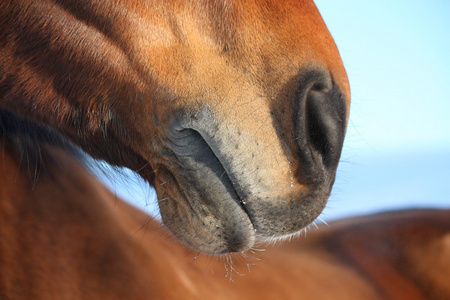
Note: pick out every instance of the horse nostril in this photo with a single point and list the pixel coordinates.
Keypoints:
(321, 123)
(324, 126)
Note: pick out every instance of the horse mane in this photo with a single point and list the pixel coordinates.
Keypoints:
(30, 143)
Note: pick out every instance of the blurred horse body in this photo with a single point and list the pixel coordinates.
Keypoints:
(68, 237)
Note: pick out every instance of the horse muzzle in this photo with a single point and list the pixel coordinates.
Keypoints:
(227, 180)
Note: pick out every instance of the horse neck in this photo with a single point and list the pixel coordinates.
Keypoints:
(67, 218)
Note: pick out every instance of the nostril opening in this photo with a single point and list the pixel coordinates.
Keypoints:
(325, 123)
(320, 122)
(316, 130)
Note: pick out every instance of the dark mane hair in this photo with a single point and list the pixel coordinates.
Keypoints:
(30, 142)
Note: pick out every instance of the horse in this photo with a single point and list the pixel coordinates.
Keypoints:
(233, 115)
(235, 111)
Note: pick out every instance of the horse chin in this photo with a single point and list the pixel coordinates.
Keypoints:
(210, 220)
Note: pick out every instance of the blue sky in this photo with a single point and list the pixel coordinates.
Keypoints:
(397, 150)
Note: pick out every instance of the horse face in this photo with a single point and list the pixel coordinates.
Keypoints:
(235, 110)
(246, 121)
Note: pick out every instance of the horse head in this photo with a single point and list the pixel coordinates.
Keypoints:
(235, 111)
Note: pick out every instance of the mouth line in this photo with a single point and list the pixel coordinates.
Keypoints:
(226, 178)
(236, 190)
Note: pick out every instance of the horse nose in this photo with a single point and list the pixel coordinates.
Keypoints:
(321, 125)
